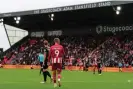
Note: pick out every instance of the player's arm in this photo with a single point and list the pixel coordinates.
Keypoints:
(49, 57)
(44, 57)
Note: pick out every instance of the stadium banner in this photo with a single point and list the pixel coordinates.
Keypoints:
(37, 34)
(48, 33)
(113, 29)
(54, 33)
(65, 8)
(99, 29)
(105, 69)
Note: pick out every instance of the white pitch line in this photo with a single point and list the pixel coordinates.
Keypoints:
(7, 82)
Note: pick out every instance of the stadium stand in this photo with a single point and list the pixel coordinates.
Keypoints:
(111, 49)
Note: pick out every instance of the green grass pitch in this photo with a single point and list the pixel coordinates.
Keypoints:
(30, 79)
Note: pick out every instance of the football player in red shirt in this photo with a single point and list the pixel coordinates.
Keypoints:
(56, 57)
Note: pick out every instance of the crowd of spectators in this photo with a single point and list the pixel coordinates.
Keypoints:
(111, 50)
(117, 49)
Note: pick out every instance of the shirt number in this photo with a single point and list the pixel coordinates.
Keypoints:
(57, 53)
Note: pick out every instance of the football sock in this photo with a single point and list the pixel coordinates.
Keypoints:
(54, 77)
(54, 80)
(59, 77)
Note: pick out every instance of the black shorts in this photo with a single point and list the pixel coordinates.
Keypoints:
(99, 65)
(45, 66)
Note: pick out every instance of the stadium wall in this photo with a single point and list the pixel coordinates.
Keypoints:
(105, 69)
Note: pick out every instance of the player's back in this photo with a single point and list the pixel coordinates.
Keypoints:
(57, 52)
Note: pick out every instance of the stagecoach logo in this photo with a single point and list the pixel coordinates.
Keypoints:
(113, 29)
(99, 29)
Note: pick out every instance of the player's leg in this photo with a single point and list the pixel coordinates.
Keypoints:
(48, 74)
(59, 77)
(54, 78)
(54, 74)
(59, 70)
(41, 69)
(44, 76)
(99, 70)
